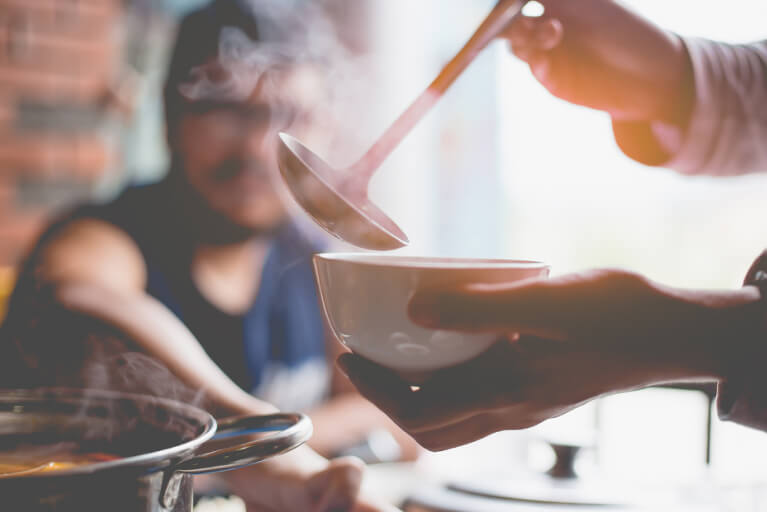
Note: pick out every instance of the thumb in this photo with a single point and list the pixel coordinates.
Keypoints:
(527, 35)
(526, 307)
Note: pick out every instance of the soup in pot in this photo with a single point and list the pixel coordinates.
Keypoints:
(37, 459)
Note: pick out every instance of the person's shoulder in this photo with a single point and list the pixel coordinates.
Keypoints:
(139, 212)
(95, 242)
(135, 203)
(92, 250)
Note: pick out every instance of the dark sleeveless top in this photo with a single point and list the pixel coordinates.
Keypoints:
(276, 350)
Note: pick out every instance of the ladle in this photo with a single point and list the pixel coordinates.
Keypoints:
(338, 200)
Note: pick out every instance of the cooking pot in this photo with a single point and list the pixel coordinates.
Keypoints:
(160, 443)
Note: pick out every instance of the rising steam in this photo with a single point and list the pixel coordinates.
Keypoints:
(293, 36)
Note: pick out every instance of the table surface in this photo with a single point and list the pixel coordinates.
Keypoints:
(423, 491)
(493, 460)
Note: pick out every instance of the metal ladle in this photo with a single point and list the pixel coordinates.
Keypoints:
(338, 200)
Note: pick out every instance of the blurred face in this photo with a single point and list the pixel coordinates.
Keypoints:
(228, 149)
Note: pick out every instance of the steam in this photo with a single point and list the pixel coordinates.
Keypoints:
(242, 66)
(137, 374)
(290, 35)
(134, 372)
(299, 60)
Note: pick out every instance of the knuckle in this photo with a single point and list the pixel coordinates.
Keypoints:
(613, 277)
(620, 279)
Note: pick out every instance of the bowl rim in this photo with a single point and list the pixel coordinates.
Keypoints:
(427, 262)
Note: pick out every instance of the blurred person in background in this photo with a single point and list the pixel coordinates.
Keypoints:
(696, 106)
(205, 271)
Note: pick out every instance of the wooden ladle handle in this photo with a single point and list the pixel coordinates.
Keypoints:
(491, 28)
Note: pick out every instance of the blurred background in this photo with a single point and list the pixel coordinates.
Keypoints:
(500, 169)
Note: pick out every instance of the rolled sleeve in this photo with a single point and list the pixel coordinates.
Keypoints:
(727, 131)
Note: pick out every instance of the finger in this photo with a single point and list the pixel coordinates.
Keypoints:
(450, 396)
(440, 408)
(458, 434)
(520, 31)
(526, 307)
(520, 35)
(540, 63)
(526, 34)
(540, 67)
(549, 33)
(377, 384)
(522, 51)
(459, 393)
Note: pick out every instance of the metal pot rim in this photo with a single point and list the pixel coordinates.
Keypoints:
(154, 461)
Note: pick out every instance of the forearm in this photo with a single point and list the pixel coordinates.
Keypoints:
(675, 335)
(722, 328)
(160, 335)
(680, 335)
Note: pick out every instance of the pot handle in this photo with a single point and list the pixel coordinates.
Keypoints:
(289, 432)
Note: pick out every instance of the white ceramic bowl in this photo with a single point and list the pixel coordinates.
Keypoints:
(365, 299)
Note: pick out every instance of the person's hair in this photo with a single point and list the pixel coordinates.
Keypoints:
(197, 44)
(228, 49)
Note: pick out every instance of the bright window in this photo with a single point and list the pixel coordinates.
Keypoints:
(503, 169)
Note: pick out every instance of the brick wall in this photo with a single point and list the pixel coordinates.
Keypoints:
(58, 60)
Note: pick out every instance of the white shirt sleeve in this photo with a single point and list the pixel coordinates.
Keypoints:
(727, 134)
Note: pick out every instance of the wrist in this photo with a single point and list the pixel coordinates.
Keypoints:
(699, 334)
(749, 336)
(729, 328)
(741, 391)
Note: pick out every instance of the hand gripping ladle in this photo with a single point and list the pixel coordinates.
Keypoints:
(338, 200)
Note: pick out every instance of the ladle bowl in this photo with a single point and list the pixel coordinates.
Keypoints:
(324, 194)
